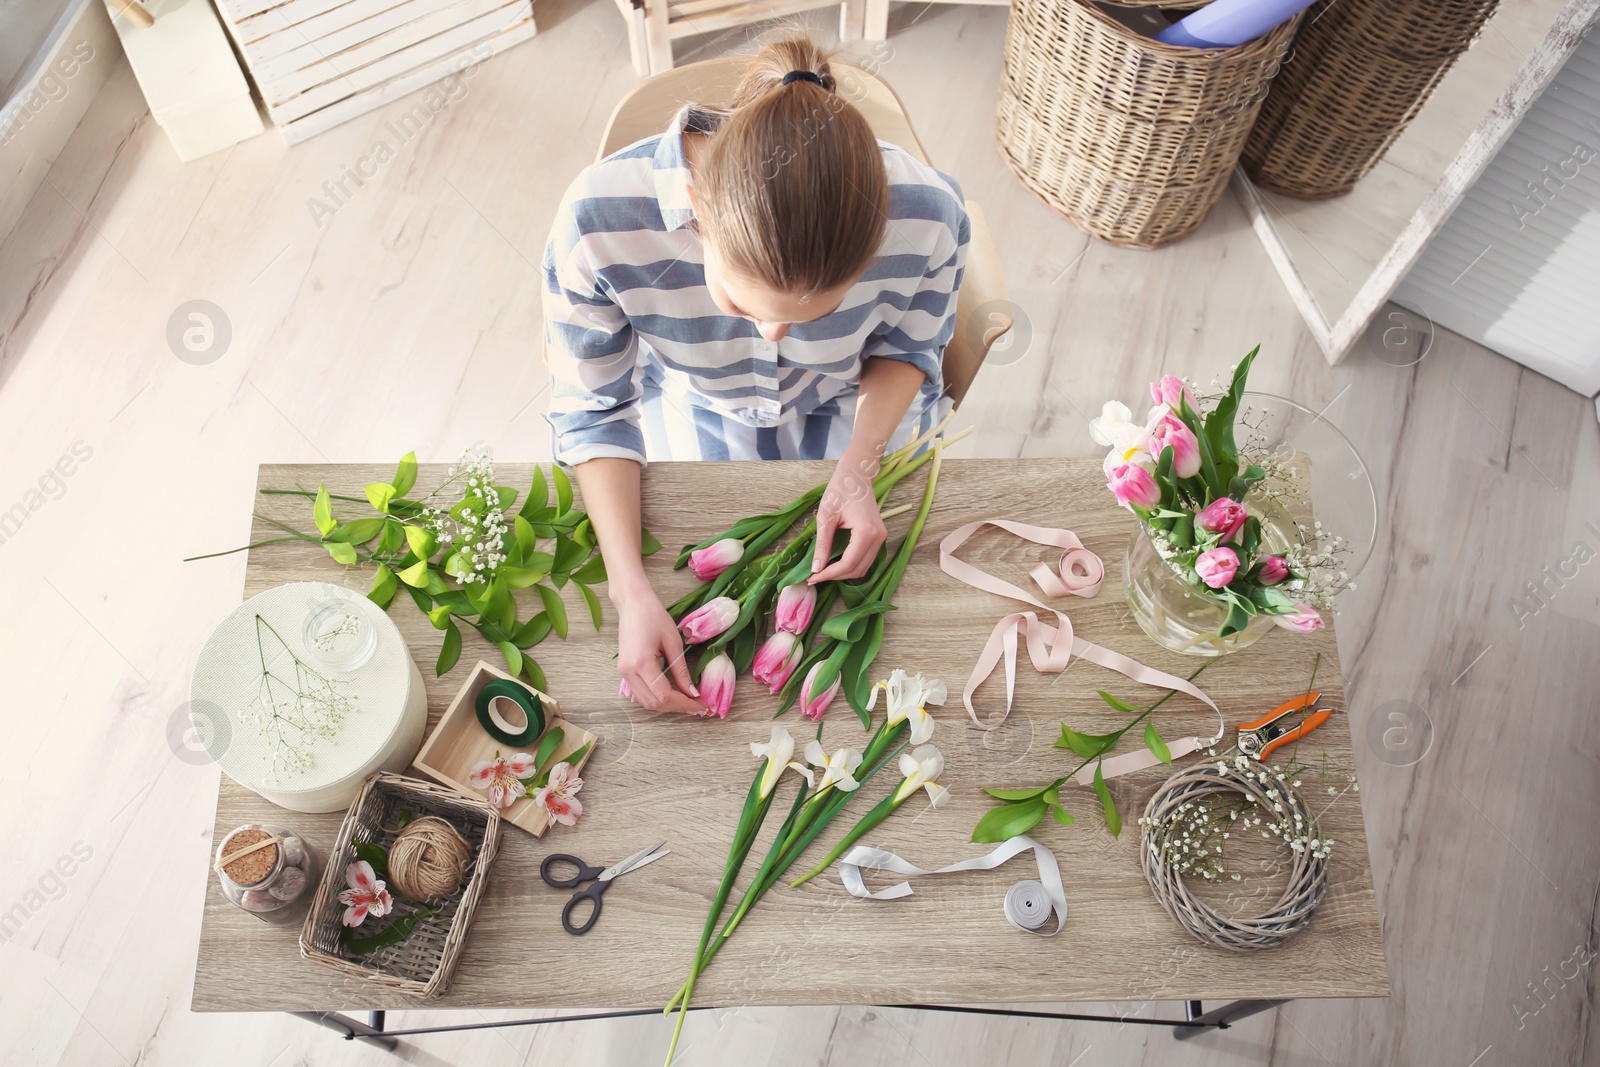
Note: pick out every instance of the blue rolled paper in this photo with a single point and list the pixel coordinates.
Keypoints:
(1226, 23)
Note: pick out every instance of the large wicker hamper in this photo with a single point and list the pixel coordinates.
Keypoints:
(1131, 139)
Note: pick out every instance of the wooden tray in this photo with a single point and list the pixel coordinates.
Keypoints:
(458, 742)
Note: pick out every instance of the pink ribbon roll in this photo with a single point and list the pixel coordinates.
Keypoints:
(1051, 648)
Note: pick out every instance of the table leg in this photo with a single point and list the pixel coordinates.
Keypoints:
(350, 1029)
(1220, 1018)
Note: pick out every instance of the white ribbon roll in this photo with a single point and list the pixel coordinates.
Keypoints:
(1028, 904)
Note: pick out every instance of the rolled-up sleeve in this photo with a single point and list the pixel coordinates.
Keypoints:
(595, 382)
(919, 334)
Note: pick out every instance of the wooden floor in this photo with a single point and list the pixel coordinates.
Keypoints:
(408, 318)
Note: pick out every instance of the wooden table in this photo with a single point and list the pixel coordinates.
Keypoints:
(684, 779)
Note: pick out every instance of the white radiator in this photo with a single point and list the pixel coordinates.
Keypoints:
(1517, 267)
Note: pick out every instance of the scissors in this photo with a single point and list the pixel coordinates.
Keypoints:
(1261, 738)
(602, 880)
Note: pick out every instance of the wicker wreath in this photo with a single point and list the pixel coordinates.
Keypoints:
(1308, 876)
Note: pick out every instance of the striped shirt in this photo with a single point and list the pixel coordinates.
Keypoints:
(630, 324)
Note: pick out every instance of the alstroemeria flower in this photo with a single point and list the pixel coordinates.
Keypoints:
(776, 660)
(367, 894)
(501, 777)
(712, 560)
(814, 705)
(838, 770)
(709, 620)
(776, 752)
(907, 696)
(560, 796)
(922, 767)
(1302, 620)
(796, 603)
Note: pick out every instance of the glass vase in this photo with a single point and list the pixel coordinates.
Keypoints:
(1176, 615)
(1310, 461)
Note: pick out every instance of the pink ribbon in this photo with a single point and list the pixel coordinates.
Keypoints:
(1051, 648)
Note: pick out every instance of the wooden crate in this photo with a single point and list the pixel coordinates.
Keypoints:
(317, 63)
(458, 742)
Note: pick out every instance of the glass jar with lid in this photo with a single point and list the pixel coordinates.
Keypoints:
(268, 871)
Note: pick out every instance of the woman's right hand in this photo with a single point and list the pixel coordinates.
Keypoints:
(646, 635)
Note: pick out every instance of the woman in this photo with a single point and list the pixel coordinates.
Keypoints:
(765, 281)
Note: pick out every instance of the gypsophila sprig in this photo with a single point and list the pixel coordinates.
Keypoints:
(293, 714)
(461, 552)
(1193, 838)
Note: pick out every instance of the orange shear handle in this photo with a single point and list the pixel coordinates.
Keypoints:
(1314, 720)
(1281, 710)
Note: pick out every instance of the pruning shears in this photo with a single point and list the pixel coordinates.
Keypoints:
(1261, 738)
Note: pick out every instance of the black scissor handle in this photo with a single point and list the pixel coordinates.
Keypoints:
(585, 873)
(592, 895)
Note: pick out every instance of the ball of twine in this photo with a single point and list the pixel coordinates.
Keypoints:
(428, 859)
(1308, 876)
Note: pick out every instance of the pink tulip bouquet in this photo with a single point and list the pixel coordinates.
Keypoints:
(749, 584)
(1182, 473)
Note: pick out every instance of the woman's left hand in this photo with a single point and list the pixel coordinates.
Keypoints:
(849, 504)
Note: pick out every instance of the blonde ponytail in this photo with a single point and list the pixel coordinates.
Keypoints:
(791, 189)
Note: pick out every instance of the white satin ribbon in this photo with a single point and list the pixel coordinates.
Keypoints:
(1051, 648)
(1028, 904)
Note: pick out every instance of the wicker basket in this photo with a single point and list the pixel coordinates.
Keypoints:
(420, 965)
(1359, 72)
(1131, 139)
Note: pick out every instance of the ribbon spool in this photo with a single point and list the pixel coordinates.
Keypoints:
(1027, 905)
(494, 722)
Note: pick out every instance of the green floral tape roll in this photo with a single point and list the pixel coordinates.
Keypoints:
(495, 724)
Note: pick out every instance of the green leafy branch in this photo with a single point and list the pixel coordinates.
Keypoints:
(545, 545)
(1025, 808)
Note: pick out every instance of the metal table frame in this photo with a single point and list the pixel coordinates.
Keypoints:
(1196, 1019)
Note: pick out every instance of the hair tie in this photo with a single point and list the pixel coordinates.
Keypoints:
(804, 76)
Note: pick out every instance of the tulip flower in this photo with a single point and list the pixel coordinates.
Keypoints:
(1171, 431)
(1223, 516)
(708, 562)
(1133, 487)
(796, 603)
(906, 697)
(716, 685)
(704, 623)
(922, 767)
(1302, 620)
(1167, 389)
(776, 660)
(814, 705)
(1273, 569)
(1217, 567)
(837, 770)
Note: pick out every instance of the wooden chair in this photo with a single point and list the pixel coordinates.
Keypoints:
(648, 108)
(654, 24)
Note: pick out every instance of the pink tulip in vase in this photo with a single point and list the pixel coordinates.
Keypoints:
(1223, 553)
